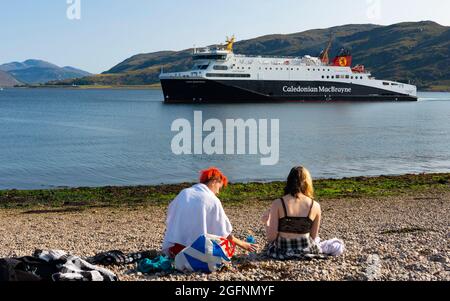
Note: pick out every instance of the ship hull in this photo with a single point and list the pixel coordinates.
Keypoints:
(254, 91)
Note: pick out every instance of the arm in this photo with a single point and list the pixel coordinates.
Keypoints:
(243, 245)
(227, 228)
(265, 217)
(272, 223)
(317, 221)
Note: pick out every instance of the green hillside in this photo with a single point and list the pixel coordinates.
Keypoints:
(418, 52)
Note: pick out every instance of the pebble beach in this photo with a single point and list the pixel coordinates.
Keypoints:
(401, 238)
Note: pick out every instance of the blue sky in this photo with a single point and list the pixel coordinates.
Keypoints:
(110, 31)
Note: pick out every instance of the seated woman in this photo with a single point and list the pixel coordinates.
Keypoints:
(293, 222)
(197, 211)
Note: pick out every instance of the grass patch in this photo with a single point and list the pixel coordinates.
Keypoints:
(236, 194)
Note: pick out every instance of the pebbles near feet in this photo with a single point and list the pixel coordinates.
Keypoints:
(397, 238)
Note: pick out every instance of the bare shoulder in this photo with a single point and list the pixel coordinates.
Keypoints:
(276, 203)
(316, 207)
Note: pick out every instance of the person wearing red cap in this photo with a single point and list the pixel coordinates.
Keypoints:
(198, 211)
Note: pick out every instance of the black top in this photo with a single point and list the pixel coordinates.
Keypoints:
(295, 225)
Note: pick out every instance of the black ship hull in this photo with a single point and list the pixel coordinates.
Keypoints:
(248, 91)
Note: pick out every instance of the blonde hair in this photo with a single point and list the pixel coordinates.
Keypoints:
(299, 181)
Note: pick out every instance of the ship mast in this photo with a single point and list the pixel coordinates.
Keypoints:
(324, 56)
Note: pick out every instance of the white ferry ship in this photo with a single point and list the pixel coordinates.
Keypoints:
(220, 76)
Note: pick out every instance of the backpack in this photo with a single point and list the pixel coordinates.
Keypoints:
(208, 254)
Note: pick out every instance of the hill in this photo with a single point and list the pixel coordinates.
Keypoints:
(415, 51)
(6, 80)
(38, 71)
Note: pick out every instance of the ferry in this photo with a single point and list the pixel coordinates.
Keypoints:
(219, 75)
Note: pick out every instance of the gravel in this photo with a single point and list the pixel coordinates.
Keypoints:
(398, 238)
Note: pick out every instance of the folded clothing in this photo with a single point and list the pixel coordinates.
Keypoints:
(52, 265)
(116, 257)
(73, 268)
(26, 269)
(333, 247)
(158, 264)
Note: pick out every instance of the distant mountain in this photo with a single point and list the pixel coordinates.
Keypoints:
(39, 72)
(415, 51)
(6, 80)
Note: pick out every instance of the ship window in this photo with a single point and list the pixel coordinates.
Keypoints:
(309, 69)
(385, 83)
(314, 69)
(210, 57)
(352, 77)
(328, 76)
(298, 69)
(270, 68)
(332, 77)
(361, 77)
(347, 76)
(200, 67)
(323, 76)
(227, 75)
(249, 68)
(220, 67)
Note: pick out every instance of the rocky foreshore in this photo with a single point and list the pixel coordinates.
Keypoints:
(403, 237)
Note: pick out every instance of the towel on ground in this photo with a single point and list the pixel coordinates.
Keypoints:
(194, 212)
(332, 247)
(73, 268)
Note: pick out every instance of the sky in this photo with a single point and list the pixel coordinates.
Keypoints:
(98, 34)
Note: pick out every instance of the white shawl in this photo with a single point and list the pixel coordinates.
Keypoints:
(194, 212)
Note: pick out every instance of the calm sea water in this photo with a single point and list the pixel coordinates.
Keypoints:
(57, 138)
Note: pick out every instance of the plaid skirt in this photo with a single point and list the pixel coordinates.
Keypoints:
(303, 248)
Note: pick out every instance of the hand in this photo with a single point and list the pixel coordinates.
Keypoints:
(250, 247)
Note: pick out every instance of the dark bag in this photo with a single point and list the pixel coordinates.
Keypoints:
(13, 270)
(26, 269)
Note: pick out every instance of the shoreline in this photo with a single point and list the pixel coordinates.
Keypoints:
(116, 196)
(394, 228)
